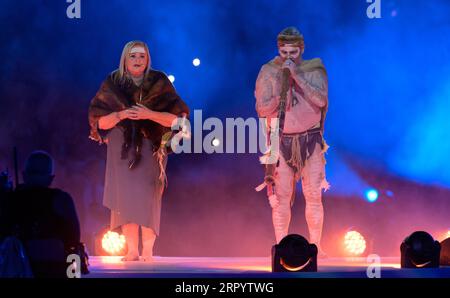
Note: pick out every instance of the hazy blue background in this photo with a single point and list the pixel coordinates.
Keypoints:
(387, 125)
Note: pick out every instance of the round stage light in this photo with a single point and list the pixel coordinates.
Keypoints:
(354, 242)
(216, 142)
(196, 62)
(372, 195)
(113, 243)
(171, 78)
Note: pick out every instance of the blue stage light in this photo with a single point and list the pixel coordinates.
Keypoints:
(372, 195)
(196, 62)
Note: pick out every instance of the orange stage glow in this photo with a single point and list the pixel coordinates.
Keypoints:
(113, 243)
(354, 242)
(443, 235)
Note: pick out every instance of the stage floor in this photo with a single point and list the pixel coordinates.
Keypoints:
(185, 267)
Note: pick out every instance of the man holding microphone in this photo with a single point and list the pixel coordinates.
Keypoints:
(296, 92)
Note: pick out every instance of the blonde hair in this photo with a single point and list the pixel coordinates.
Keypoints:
(125, 52)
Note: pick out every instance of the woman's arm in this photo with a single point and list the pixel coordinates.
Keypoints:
(141, 112)
(111, 120)
(163, 118)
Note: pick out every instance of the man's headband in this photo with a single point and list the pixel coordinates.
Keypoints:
(290, 37)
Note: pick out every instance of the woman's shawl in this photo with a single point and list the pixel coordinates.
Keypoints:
(156, 93)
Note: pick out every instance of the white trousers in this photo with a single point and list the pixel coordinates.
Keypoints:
(313, 181)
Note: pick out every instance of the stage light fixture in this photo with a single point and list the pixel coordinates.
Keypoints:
(354, 243)
(294, 254)
(444, 259)
(420, 250)
(110, 243)
(113, 243)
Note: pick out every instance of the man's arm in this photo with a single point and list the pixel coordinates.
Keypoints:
(266, 102)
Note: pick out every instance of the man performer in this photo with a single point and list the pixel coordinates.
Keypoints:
(295, 92)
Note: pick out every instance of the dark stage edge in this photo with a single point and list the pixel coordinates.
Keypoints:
(246, 267)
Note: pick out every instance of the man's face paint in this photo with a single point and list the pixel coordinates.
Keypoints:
(289, 52)
(136, 61)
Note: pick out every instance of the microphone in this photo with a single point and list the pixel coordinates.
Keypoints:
(286, 71)
(289, 61)
(286, 74)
